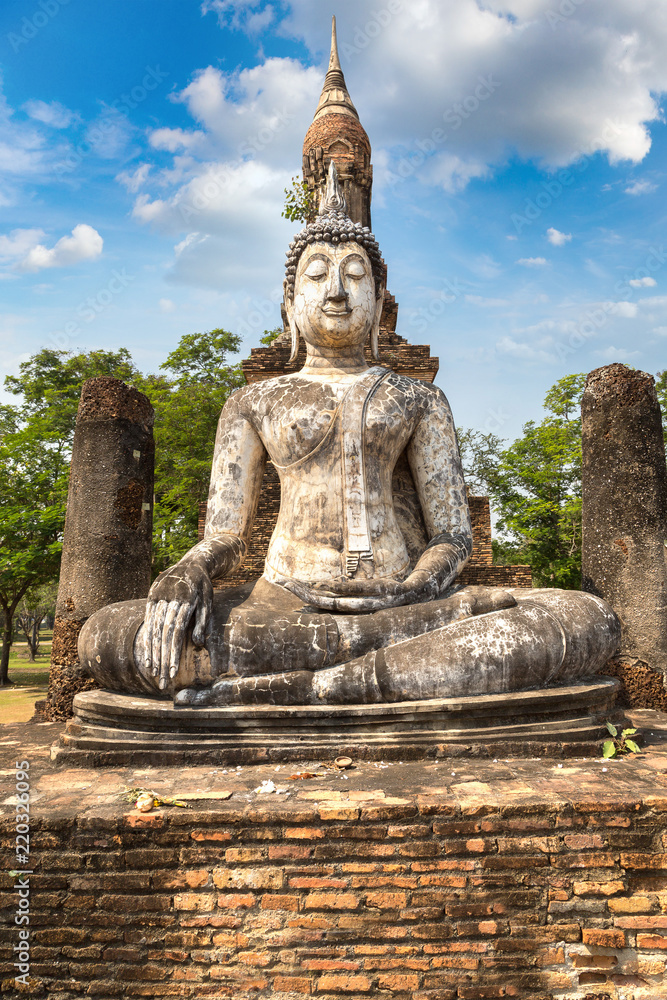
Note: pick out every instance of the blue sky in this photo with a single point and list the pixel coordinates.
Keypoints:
(519, 166)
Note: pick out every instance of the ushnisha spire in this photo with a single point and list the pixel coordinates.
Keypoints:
(335, 97)
(333, 199)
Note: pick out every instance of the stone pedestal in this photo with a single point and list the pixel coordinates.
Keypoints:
(111, 729)
(624, 480)
(107, 542)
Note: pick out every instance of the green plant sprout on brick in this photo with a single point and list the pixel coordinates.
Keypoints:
(619, 746)
(299, 202)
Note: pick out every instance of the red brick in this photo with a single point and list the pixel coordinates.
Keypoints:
(291, 984)
(344, 984)
(236, 900)
(304, 833)
(280, 902)
(651, 942)
(583, 841)
(386, 900)
(239, 855)
(331, 901)
(603, 938)
(398, 984)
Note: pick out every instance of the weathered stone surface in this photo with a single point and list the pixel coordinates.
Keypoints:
(358, 601)
(625, 509)
(107, 542)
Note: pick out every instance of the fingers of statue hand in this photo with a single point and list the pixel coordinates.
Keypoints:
(178, 637)
(148, 637)
(168, 628)
(158, 626)
(203, 615)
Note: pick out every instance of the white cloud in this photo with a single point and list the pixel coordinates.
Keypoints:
(641, 187)
(85, 243)
(450, 172)
(592, 87)
(660, 330)
(539, 351)
(135, 180)
(166, 306)
(533, 261)
(610, 354)
(479, 300)
(626, 310)
(642, 282)
(240, 14)
(18, 243)
(557, 238)
(52, 113)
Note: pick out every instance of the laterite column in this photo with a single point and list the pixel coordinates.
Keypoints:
(107, 542)
(625, 521)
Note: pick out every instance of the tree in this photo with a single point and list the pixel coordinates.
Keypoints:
(269, 336)
(537, 491)
(187, 408)
(300, 203)
(35, 447)
(480, 455)
(35, 605)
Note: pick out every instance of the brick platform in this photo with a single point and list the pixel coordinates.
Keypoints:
(455, 881)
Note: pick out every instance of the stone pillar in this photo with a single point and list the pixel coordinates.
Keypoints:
(624, 486)
(107, 542)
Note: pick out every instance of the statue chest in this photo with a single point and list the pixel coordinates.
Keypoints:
(297, 434)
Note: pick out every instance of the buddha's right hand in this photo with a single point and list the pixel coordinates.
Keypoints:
(177, 594)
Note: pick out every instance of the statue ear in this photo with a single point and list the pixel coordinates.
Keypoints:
(375, 329)
(293, 329)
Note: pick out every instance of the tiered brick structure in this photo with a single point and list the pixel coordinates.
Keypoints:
(337, 134)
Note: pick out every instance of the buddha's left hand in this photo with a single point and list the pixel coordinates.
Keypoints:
(436, 569)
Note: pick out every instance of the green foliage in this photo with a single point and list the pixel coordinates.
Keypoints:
(187, 405)
(661, 389)
(269, 336)
(535, 488)
(35, 443)
(619, 746)
(35, 447)
(480, 454)
(299, 202)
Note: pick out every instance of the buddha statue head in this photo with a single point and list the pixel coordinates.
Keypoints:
(335, 279)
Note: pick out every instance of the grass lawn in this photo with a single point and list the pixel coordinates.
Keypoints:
(30, 682)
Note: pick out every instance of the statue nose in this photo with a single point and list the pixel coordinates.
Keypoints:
(336, 290)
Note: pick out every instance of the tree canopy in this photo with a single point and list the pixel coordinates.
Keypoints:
(36, 437)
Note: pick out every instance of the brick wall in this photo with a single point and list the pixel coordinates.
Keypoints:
(411, 897)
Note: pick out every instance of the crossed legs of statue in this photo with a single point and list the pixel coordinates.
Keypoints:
(264, 647)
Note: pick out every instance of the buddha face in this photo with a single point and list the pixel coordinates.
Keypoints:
(335, 304)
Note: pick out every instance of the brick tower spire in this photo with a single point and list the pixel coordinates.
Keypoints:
(337, 134)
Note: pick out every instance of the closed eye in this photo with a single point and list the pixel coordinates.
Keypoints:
(355, 269)
(316, 270)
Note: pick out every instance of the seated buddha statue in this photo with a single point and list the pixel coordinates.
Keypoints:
(358, 601)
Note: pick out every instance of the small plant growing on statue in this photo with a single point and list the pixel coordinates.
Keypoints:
(299, 202)
(619, 746)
